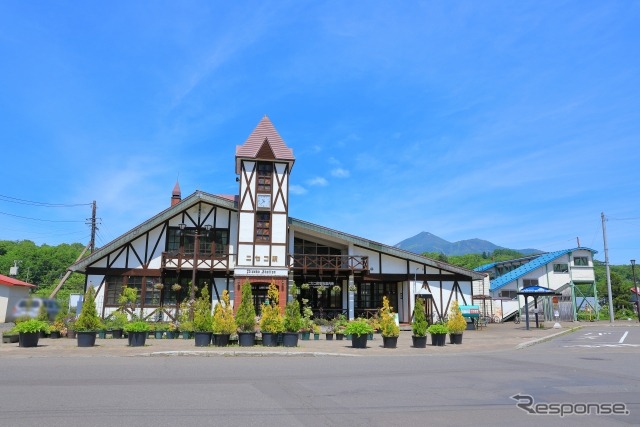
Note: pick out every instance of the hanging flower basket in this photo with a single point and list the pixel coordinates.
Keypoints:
(336, 289)
(352, 288)
(158, 286)
(176, 287)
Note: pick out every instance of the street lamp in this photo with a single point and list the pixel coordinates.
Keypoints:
(196, 248)
(635, 285)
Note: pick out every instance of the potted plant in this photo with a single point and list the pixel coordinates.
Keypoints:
(246, 317)
(43, 315)
(359, 329)
(172, 329)
(29, 332)
(137, 330)
(159, 328)
(223, 322)
(438, 333)
(271, 322)
(329, 330)
(307, 323)
(374, 321)
(340, 325)
(390, 330)
(11, 336)
(316, 332)
(456, 323)
(419, 325)
(88, 322)
(71, 328)
(292, 324)
(116, 322)
(202, 320)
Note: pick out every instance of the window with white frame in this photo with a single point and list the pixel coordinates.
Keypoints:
(581, 261)
(560, 268)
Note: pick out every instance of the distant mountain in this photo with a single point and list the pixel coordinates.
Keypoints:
(427, 242)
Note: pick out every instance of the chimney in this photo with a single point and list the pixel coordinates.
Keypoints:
(176, 196)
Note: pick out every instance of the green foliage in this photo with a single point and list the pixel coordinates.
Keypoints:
(387, 320)
(272, 320)
(88, 321)
(202, 312)
(419, 325)
(340, 323)
(456, 322)
(116, 320)
(137, 326)
(471, 261)
(307, 314)
(128, 296)
(358, 327)
(292, 317)
(223, 321)
(437, 328)
(42, 313)
(246, 315)
(31, 326)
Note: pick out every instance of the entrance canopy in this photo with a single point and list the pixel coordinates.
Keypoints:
(535, 292)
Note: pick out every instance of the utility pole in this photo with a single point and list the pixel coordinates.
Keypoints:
(606, 263)
(92, 242)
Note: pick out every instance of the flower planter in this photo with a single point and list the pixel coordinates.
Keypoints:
(246, 339)
(389, 342)
(370, 336)
(455, 338)
(269, 339)
(10, 339)
(170, 335)
(137, 339)
(86, 339)
(316, 337)
(186, 335)
(348, 336)
(116, 333)
(438, 339)
(203, 339)
(28, 339)
(305, 336)
(359, 341)
(71, 334)
(54, 334)
(419, 342)
(329, 337)
(339, 337)
(290, 339)
(158, 334)
(221, 340)
(102, 334)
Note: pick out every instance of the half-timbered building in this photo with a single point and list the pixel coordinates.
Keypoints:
(221, 241)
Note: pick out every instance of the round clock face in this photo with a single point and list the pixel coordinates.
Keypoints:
(264, 201)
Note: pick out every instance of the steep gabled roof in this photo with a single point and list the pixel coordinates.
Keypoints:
(10, 281)
(199, 196)
(264, 143)
(531, 266)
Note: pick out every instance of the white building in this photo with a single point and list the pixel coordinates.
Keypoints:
(250, 237)
(569, 272)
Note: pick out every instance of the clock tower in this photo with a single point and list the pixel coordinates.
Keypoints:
(263, 165)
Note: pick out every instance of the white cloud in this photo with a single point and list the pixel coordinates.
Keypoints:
(318, 181)
(297, 189)
(340, 173)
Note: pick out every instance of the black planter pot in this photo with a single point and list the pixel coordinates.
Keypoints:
(419, 342)
(290, 339)
(269, 339)
(339, 337)
(116, 333)
(455, 338)
(329, 337)
(54, 334)
(71, 334)
(86, 339)
(203, 339)
(186, 335)
(28, 339)
(158, 334)
(10, 339)
(221, 340)
(389, 342)
(438, 339)
(137, 339)
(359, 341)
(246, 339)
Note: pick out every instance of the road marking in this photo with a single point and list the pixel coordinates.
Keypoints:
(623, 337)
(602, 345)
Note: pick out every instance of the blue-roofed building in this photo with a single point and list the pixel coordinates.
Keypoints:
(568, 271)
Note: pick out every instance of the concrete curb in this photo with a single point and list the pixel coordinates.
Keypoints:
(547, 338)
(244, 354)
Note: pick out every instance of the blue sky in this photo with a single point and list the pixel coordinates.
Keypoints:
(514, 122)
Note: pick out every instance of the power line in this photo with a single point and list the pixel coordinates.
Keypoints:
(37, 219)
(43, 204)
